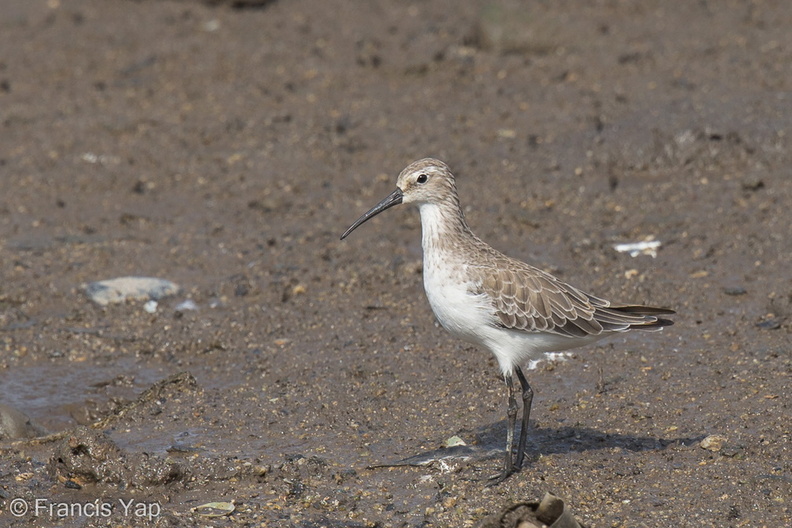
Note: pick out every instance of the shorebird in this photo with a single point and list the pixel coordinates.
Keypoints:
(514, 310)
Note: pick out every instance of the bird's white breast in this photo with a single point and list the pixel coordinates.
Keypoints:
(447, 286)
(459, 311)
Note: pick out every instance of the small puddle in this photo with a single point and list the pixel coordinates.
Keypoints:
(54, 394)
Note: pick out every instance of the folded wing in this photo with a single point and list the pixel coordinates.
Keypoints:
(526, 298)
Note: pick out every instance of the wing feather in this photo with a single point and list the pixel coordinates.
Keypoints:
(529, 299)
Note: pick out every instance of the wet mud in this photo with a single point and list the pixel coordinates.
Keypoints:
(225, 146)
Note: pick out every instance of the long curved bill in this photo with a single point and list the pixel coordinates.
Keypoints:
(394, 198)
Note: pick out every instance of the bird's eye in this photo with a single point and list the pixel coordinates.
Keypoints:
(422, 178)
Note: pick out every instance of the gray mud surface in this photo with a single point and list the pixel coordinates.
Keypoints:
(225, 146)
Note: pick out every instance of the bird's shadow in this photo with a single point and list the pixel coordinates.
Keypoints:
(487, 442)
(567, 439)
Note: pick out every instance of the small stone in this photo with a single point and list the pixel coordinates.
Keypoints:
(121, 289)
(454, 441)
(713, 443)
(773, 323)
(214, 509)
(15, 425)
(186, 306)
(71, 484)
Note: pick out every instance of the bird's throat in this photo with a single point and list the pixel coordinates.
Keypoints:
(441, 225)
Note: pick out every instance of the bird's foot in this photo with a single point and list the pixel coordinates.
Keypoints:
(500, 477)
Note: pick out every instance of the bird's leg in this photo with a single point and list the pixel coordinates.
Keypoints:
(527, 398)
(511, 414)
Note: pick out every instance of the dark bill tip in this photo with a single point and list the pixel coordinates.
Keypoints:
(394, 198)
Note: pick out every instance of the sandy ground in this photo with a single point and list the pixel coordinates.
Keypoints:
(226, 145)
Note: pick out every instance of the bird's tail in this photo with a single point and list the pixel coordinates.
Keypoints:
(646, 317)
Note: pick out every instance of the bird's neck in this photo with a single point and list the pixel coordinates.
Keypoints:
(442, 225)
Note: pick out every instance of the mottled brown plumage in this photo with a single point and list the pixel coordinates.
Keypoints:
(529, 299)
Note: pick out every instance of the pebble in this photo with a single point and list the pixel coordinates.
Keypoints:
(186, 306)
(773, 323)
(454, 441)
(15, 425)
(713, 442)
(122, 289)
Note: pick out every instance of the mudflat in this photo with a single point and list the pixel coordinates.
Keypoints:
(225, 146)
